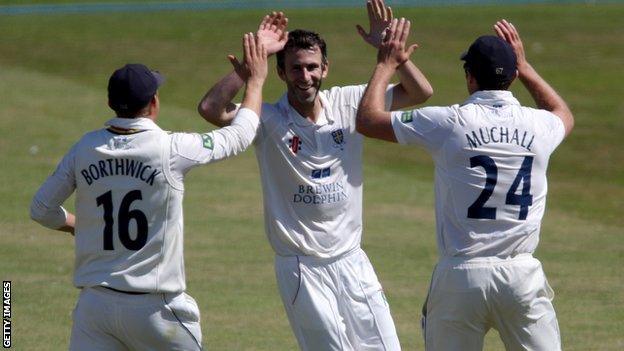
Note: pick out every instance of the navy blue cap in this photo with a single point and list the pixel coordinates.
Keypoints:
(132, 87)
(491, 60)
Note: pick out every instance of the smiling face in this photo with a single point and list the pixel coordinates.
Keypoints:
(303, 73)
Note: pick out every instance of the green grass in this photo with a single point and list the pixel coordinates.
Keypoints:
(53, 75)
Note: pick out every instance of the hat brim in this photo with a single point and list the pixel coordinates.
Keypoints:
(463, 56)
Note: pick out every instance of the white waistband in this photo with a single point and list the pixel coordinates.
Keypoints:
(454, 260)
(313, 260)
(122, 298)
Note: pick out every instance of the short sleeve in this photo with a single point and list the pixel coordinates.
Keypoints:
(193, 149)
(349, 97)
(554, 129)
(428, 126)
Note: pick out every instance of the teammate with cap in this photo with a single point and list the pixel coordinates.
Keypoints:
(490, 157)
(128, 226)
(310, 161)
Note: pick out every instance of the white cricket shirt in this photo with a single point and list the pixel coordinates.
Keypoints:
(312, 175)
(491, 156)
(128, 183)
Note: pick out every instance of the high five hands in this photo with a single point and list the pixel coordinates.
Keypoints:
(379, 18)
(393, 51)
(271, 34)
(255, 58)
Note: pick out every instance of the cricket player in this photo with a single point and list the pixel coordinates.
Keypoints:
(490, 156)
(128, 178)
(310, 160)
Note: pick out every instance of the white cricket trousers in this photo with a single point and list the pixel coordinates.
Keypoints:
(467, 297)
(335, 304)
(106, 320)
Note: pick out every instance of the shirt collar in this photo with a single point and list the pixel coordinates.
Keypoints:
(492, 98)
(326, 116)
(140, 123)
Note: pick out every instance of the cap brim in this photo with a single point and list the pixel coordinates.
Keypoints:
(160, 79)
(463, 56)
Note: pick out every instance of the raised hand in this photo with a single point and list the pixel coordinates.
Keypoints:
(506, 31)
(392, 51)
(379, 18)
(255, 58)
(272, 32)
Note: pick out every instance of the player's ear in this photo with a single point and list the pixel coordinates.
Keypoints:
(154, 106)
(325, 68)
(281, 73)
(471, 83)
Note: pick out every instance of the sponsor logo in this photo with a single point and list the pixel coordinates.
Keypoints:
(321, 173)
(320, 194)
(208, 143)
(406, 117)
(295, 144)
(499, 70)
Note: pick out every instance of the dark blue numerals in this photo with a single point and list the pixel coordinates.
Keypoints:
(526, 199)
(124, 217)
(477, 210)
(106, 200)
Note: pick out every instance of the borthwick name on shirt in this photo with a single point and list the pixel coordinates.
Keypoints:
(119, 166)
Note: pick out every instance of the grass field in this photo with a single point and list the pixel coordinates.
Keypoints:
(53, 75)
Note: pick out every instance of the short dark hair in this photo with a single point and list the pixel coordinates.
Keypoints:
(132, 113)
(302, 39)
(485, 83)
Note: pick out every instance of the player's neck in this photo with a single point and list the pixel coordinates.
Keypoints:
(309, 111)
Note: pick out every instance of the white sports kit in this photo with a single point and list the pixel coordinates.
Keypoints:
(129, 261)
(312, 183)
(490, 157)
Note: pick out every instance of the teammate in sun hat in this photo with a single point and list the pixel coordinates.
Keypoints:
(129, 183)
(310, 160)
(491, 156)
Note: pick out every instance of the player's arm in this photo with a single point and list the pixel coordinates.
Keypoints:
(216, 106)
(414, 88)
(544, 95)
(235, 138)
(192, 149)
(372, 120)
(46, 208)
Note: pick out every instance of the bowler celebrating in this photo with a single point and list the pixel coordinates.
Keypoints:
(310, 160)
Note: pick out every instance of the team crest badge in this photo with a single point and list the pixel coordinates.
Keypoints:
(208, 143)
(406, 117)
(338, 136)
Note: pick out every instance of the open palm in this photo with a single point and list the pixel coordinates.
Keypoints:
(272, 32)
(379, 18)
